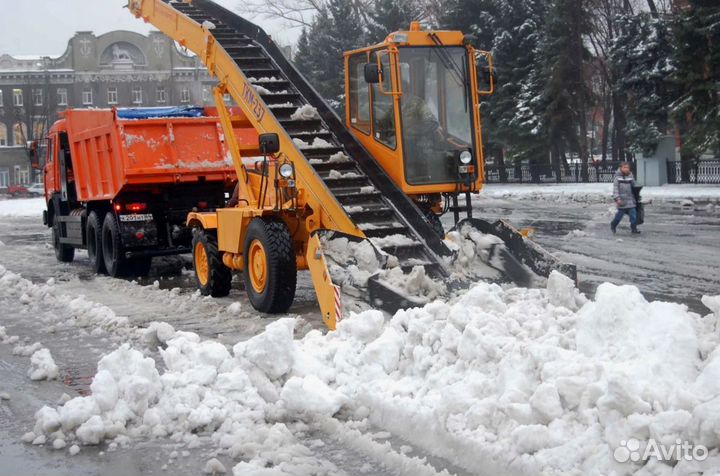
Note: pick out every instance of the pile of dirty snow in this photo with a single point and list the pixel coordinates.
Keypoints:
(526, 381)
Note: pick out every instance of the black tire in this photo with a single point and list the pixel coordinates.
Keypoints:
(433, 218)
(112, 249)
(218, 278)
(63, 253)
(279, 291)
(139, 267)
(93, 236)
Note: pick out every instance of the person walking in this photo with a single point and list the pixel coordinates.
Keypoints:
(623, 184)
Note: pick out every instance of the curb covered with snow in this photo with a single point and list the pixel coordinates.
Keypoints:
(598, 192)
(513, 380)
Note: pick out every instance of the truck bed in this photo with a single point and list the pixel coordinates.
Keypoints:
(111, 154)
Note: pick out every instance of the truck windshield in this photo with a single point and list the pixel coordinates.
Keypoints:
(436, 111)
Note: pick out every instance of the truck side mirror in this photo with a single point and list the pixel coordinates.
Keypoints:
(372, 73)
(269, 143)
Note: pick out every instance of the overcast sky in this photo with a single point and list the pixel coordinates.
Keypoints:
(43, 27)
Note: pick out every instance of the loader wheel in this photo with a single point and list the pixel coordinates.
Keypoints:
(270, 269)
(112, 251)
(64, 253)
(213, 277)
(93, 236)
(433, 218)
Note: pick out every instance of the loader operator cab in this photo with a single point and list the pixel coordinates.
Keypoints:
(413, 102)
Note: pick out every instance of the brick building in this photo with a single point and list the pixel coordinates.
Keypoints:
(116, 69)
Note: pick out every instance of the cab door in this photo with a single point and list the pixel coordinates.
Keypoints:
(50, 169)
(372, 110)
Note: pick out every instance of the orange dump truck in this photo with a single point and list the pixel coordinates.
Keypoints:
(120, 183)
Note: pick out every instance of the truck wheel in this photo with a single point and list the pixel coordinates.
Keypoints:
(433, 218)
(63, 253)
(93, 236)
(213, 277)
(113, 258)
(270, 269)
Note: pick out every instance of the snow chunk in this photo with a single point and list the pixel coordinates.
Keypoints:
(213, 466)
(273, 350)
(305, 113)
(311, 396)
(74, 449)
(27, 350)
(562, 292)
(42, 366)
(92, 431)
(208, 25)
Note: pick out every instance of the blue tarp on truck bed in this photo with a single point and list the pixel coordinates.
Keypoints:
(156, 112)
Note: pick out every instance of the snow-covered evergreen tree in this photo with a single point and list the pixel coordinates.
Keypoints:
(642, 56)
(697, 58)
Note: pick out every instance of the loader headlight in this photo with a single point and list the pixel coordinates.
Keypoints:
(465, 157)
(286, 170)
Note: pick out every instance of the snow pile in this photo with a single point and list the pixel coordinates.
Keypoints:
(535, 380)
(246, 400)
(42, 366)
(79, 311)
(22, 207)
(528, 381)
(305, 113)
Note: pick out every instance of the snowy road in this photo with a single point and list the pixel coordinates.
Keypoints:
(675, 259)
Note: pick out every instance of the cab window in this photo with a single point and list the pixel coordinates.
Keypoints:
(359, 94)
(383, 106)
(50, 150)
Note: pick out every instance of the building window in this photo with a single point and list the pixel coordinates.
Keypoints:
(17, 97)
(185, 95)
(19, 133)
(137, 95)
(87, 96)
(112, 96)
(3, 135)
(2, 103)
(4, 178)
(206, 95)
(22, 176)
(37, 96)
(62, 99)
(161, 96)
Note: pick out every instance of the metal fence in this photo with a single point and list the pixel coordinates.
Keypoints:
(547, 173)
(705, 171)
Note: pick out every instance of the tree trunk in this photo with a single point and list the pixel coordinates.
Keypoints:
(499, 156)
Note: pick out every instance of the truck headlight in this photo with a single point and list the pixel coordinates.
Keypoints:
(286, 170)
(465, 157)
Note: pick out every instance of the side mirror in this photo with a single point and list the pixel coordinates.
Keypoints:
(372, 73)
(485, 72)
(269, 143)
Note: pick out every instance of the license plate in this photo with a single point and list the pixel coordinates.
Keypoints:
(137, 217)
(463, 169)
